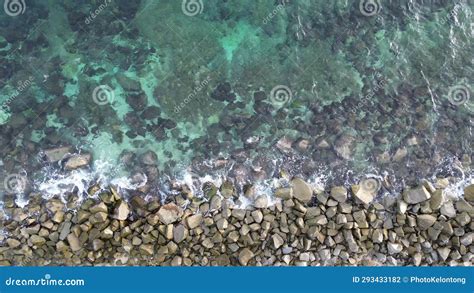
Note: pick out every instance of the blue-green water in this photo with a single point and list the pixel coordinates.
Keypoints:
(330, 90)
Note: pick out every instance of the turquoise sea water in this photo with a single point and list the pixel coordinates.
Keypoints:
(329, 90)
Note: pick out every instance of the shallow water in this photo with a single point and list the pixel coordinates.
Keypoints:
(330, 90)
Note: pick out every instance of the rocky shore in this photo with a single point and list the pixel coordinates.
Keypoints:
(304, 227)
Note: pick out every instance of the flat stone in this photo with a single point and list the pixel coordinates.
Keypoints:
(74, 242)
(377, 236)
(284, 193)
(367, 190)
(469, 193)
(100, 207)
(77, 161)
(394, 248)
(277, 241)
(64, 231)
(13, 243)
(425, 221)
(169, 213)
(444, 253)
(121, 211)
(37, 240)
(301, 190)
(339, 193)
(97, 244)
(179, 233)
(416, 195)
(57, 154)
(257, 216)
(194, 221)
(55, 205)
(261, 202)
(437, 200)
(245, 255)
(100, 217)
(147, 249)
(448, 210)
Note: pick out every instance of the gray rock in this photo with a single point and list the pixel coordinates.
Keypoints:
(416, 195)
(284, 193)
(469, 193)
(437, 200)
(344, 146)
(77, 161)
(277, 241)
(149, 158)
(179, 233)
(425, 221)
(169, 213)
(74, 242)
(339, 193)
(245, 256)
(394, 248)
(448, 210)
(301, 190)
(194, 221)
(57, 154)
(367, 190)
(121, 211)
(64, 231)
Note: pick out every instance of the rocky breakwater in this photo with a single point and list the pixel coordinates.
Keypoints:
(306, 227)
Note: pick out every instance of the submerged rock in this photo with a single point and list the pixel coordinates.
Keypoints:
(77, 161)
(57, 154)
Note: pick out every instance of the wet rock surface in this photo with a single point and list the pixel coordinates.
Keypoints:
(332, 227)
